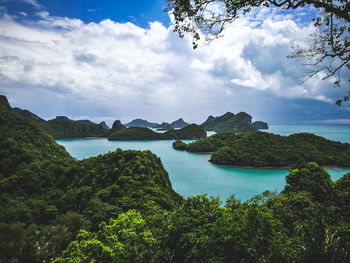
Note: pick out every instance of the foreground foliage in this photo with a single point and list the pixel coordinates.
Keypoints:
(328, 53)
(46, 196)
(266, 149)
(120, 207)
(307, 222)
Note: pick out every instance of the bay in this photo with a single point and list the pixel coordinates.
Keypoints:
(192, 174)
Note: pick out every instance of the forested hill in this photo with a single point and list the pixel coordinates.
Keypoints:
(62, 127)
(229, 122)
(46, 196)
(192, 131)
(267, 149)
(120, 207)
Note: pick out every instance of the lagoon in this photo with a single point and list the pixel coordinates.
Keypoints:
(192, 174)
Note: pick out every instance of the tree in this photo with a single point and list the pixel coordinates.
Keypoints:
(329, 52)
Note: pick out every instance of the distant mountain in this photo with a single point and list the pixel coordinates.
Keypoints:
(140, 123)
(117, 125)
(178, 124)
(192, 131)
(104, 125)
(62, 127)
(260, 125)
(229, 122)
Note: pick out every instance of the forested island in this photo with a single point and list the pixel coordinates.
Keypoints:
(64, 128)
(192, 131)
(120, 207)
(237, 123)
(261, 149)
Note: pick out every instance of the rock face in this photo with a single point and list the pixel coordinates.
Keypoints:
(117, 125)
(104, 125)
(26, 114)
(178, 124)
(141, 123)
(229, 122)
(260, 125)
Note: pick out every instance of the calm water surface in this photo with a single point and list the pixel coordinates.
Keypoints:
(192, 174)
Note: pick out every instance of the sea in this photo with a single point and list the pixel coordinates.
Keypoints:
(192, 173)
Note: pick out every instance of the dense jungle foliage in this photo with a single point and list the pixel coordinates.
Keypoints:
(266, 149)
(120, 207)
(46, 196)
(192, 131)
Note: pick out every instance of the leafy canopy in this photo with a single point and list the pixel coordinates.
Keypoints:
(328, 53)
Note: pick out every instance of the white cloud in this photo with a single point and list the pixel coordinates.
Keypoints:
(128, 71)
(33, 3)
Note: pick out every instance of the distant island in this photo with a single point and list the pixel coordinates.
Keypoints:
(261, 149)
(62, 127)
(192, 131)
(178, 124)
(237, 123)
(141, 123)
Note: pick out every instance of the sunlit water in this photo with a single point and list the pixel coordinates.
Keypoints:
(192, 174)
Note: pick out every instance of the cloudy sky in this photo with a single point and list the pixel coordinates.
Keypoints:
(120, 60)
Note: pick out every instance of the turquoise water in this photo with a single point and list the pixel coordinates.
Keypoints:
(192, 174)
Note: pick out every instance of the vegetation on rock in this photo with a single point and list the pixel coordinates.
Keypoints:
(120, 207)
(62, 127)
(260, 125)
(265, 149)
(192, 131)
(178, 124)
(140, 123)
(229, 122)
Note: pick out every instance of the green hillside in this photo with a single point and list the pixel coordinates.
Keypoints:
(266, 149)
(192, 131)
(46, 196)
(229, 122)
(237, 123)
(120, 207)
(63, 128)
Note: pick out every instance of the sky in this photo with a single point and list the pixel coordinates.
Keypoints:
(116, 59)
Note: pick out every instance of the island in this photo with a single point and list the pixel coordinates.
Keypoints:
(262, 149)
(229, 122)
(178, 124)
(260, 125)
(121, 207)
(141, 123)
(192, 131)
